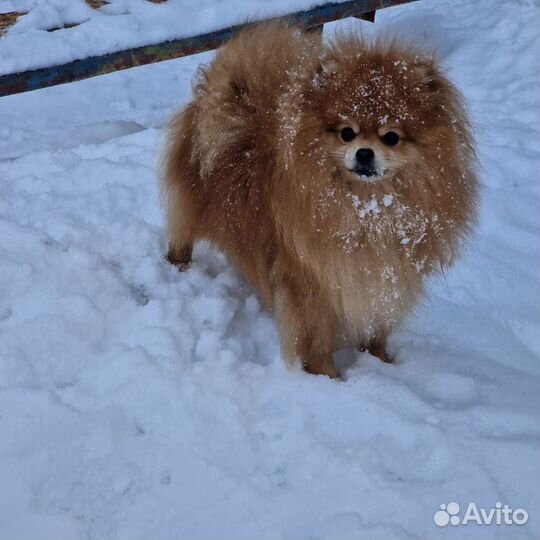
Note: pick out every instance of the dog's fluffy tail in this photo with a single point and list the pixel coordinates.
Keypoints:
(237, 103)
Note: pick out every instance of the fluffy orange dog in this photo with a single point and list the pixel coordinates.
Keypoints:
(335, 177)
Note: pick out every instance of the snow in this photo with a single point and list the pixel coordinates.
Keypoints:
(137, 402)
(118, 25)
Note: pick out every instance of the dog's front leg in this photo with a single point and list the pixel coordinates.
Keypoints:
(307, 330)
(377, 347)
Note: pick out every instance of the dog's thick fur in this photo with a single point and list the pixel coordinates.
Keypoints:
(255, 165)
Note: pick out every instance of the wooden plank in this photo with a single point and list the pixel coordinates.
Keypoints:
(9, 19)
(98, 65)
(96, 4)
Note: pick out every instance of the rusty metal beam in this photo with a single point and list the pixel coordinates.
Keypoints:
(98, 65)
(369, 16)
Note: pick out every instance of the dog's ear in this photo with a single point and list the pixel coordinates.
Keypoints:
(326, 66)
(427, 73)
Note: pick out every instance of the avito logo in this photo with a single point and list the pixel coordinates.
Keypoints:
(449, 514)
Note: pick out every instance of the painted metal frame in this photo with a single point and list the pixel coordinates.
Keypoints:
(98, 65)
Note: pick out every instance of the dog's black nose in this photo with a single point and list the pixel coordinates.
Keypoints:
(364, 155)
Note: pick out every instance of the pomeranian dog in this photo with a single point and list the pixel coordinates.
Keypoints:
(335, 177)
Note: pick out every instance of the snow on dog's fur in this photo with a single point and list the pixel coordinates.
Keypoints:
(335, 178)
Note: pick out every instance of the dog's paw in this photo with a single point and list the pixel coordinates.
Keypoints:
(378, 350)
(181, 264)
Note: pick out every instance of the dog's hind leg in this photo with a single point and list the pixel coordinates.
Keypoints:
(180, 228)
(181, 258)
(178, 174)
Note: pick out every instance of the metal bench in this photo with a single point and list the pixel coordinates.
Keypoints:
(312, 19)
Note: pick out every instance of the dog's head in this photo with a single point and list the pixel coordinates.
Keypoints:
(375, 149)
(366, 153)
(377, 110)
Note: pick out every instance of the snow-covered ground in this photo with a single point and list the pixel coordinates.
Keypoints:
(119, 24)
(137, 402)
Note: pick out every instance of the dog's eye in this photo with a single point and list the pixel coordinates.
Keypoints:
(348, 134)
(390, 138)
